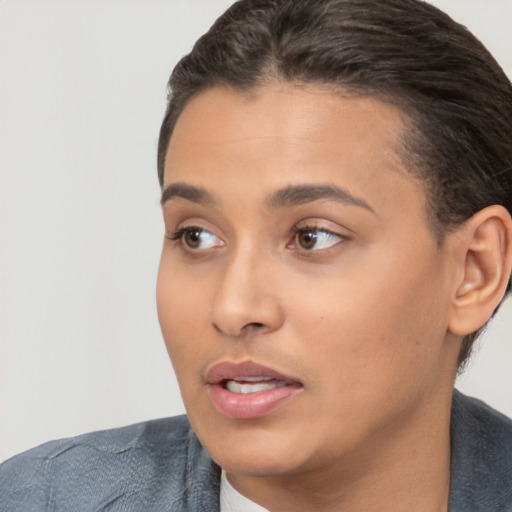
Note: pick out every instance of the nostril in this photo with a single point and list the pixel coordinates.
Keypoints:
(241, 308)
(253, 326)
(217, 328)
(254, 329)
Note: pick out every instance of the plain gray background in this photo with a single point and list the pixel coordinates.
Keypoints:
(82, 96)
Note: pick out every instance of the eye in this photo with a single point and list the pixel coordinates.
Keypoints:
(196, 238)
(315, 239)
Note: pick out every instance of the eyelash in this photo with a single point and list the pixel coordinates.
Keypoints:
(201, 236)
(296, 231)
(179, 234)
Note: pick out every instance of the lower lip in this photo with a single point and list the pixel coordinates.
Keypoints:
(251, 405)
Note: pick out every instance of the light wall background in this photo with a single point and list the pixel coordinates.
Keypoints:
(82, 94)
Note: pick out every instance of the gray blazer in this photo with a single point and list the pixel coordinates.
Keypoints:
(161, 466)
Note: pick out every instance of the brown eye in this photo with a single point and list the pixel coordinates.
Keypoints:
(192, 237)
(315, 239)
(307, 238)
(196, 238)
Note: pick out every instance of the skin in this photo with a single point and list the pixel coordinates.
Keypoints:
(361, 319)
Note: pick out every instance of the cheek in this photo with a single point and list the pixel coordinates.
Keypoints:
(178, 306)
(375, 326)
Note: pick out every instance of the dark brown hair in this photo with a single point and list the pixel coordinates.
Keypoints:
(455, 99)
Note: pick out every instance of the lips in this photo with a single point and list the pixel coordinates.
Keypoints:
(249, 390)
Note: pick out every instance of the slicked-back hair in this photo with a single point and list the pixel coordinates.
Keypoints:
(455, 100)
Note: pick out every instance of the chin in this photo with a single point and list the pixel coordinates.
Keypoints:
(257, 454)
(266, 465)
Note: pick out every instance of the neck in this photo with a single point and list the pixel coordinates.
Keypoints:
(405, 468)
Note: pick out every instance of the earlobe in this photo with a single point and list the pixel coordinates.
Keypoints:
(485, 259)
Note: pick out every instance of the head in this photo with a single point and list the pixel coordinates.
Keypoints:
(452, 94)
(292, 128)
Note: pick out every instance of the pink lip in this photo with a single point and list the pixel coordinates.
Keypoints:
(251, 405)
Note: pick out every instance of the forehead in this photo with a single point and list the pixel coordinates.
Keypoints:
(315, 116)
(278, 135)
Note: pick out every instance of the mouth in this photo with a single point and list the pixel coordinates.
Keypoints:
(249, 390)
(246, 385)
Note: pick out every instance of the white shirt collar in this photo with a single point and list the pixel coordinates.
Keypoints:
(232, 501)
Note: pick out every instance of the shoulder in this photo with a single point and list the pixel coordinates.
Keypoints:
(476, 424)
(92, 471)
(481, 440)
(478, 408)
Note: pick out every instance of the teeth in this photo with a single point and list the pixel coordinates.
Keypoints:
(252, 379)
(238, 387)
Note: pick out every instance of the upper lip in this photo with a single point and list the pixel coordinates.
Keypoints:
(230, 370)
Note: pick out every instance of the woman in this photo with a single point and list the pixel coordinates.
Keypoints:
(336, 183)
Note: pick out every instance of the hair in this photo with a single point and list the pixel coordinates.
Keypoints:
(454, 98)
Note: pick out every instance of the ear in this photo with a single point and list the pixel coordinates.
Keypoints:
(484, 261)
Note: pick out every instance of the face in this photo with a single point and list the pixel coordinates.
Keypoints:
(301, 294)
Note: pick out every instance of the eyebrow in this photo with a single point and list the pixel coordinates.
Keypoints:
(293, 195)
(302, 194)
(188, 192)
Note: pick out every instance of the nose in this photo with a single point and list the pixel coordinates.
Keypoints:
(246, 300)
